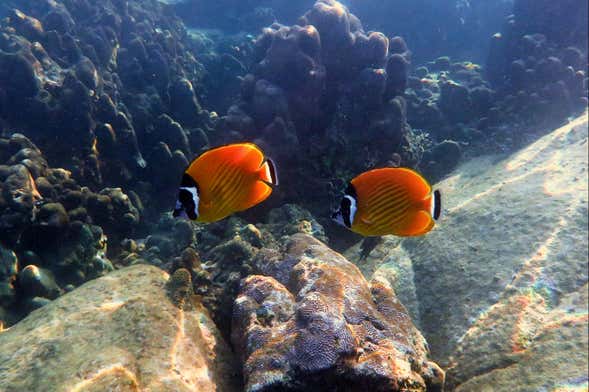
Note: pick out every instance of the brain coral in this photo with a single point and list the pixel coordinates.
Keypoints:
(326, 328)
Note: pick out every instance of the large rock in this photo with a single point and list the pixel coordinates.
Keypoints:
(501, 282)
(323, 327)
(119, 332)
(385, 259)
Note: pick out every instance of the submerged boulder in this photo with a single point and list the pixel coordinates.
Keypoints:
(120, 332)
(323, 327)
(501, 282)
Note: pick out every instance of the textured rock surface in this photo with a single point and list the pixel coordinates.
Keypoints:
(524, 344)
(41, 206)
(324, 327)
(120, 332)
(501, 282)
(386, 260)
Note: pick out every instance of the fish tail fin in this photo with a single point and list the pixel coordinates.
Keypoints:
(268, 172)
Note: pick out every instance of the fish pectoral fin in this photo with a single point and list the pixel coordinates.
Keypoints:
(366, 221)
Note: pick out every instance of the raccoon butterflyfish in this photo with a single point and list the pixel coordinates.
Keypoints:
(225, 180)
(385, 201)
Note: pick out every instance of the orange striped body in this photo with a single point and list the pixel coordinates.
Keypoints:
(392, 201)
(230, 178)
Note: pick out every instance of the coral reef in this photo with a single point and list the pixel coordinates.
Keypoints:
(42, 207)
(216, 256)
(225, 59)
(538, 63)
(122, 333)
(104, 104)
(324, 327)
(452, 102)
(318, 90)
(106, 90)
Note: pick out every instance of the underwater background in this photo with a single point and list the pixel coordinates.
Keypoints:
(103, 104)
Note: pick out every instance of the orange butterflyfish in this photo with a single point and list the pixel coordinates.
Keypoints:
(225, 180)
(391, 200)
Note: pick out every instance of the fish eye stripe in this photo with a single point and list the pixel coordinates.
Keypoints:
(188, 182)
(345, 210)
(188, 197)
(351, 191)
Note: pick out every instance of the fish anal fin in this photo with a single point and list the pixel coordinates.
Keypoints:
(416, 224)
(259, 192)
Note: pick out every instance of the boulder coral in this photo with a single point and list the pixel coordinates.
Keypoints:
(324, 327)
(319, 89)
(538, 62)
(40, 207)
(92, 83)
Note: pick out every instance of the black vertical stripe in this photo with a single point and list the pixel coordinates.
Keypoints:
(346, 211)
(437, 204)
(273, 173)
(351, 191)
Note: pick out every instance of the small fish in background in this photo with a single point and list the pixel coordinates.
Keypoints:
(225, 180)
(386, 201)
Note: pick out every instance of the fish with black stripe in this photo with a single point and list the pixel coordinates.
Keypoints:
(386, 201)
(225, 180)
